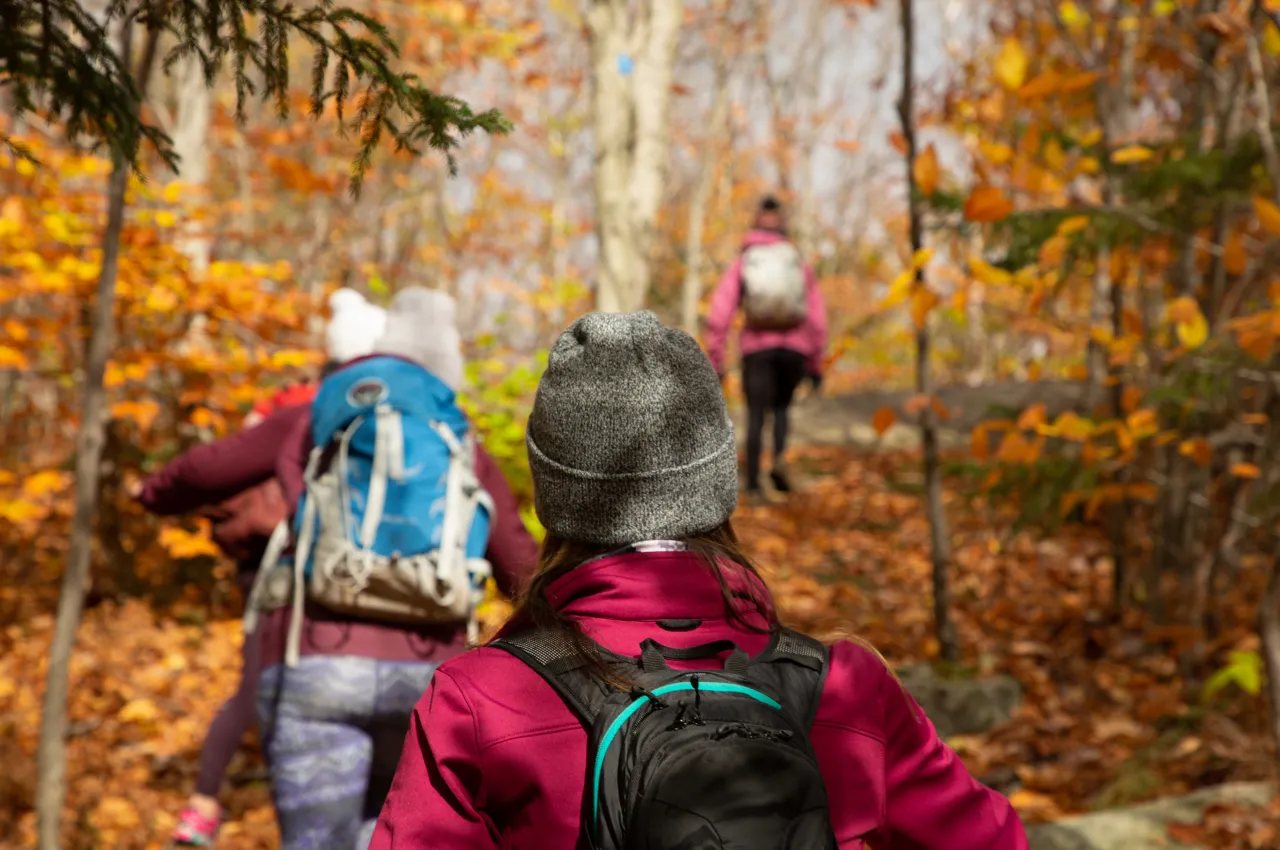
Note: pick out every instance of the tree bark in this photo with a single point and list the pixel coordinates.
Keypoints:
(191, 143)
(51, 749)
(632, 63)
(1269, 630)
(691, 295)
(948, 647)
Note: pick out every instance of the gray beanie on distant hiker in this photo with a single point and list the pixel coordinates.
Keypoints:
(629, 438)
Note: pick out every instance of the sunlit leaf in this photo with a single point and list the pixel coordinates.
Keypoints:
(1244, 470)
(1011, 64)
(1268, 214)
(988, 274)
(1131, 154)
(987, 204)
(926, 172)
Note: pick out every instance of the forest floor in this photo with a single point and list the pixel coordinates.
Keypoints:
(1107, 718)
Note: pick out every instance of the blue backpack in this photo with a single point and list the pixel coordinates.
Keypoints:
(393, 524)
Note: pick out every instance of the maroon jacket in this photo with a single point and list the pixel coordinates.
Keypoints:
(495, 759)
(277, 448)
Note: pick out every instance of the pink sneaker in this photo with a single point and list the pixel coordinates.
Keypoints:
(195, 830)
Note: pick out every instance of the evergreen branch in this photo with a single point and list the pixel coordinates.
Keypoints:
(61, 57)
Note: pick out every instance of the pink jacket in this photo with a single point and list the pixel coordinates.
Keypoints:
(809, 339)
(494, 759)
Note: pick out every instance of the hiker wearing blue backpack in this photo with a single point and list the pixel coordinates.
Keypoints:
(399, 520)
(645, 695)
(232, 481)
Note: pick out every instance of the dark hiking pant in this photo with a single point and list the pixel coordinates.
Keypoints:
(769, 379)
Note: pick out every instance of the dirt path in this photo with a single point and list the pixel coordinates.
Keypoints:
(846, 420)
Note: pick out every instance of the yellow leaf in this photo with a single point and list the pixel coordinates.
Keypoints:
(923, 300)
(1164, 8)
(920, 258)
(925, 170)
(1142, 423)
(1073, 225)
(1268, 214)
(883, 420)
(1071, 15)
(1271, 39)
(172, 192)
(165, 218)
(987, 203)
(139, 711)
(1244, 470)
(997, 153)
(1088, 165)
(45, 483)
(183, 545)
(1189, 322)
(988, 274)
(1131, 154)
(12, 358)
(1011, 64)
(898, 290)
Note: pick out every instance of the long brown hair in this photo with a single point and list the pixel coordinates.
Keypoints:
(716, 549)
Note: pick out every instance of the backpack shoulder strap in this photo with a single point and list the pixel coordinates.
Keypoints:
(798, 661)
(552, 656)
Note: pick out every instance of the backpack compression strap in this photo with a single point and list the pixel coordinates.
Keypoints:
(552, 656)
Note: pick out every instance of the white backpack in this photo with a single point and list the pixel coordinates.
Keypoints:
(775, 292)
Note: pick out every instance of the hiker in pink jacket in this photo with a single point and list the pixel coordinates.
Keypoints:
(642, 580)
(784, 337)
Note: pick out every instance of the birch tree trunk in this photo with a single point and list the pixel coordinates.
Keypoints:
(632, 55)
(948, 648)
(191, 144)
(691, 294)
(51, 749)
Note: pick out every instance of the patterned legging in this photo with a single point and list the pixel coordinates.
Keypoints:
(334, 727)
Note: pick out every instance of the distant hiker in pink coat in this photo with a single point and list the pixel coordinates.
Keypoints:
(783, 341)
(644, 693)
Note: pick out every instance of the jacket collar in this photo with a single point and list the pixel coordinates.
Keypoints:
(652, 586)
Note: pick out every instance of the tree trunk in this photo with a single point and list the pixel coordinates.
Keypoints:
(191, 143)
(948, 647)
(631, 66)
(1269, 630)
(51, 749)
(691, 295)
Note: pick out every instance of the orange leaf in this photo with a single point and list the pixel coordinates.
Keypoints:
(1130, 398)
(1268, 214)
(1036, 414)
(923, 300)
(925, 171)
(1234, 256)
(1254, 419)
(848, 145)
(899, 142)
(1197, 449)
(987, 203)
(883, 419)
(1244, 470)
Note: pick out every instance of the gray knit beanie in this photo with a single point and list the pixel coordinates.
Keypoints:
(629, 438)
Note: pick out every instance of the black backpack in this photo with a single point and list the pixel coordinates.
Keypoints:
(695, 760)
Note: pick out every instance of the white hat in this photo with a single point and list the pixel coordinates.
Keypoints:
(422, 327)
(355, 327)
